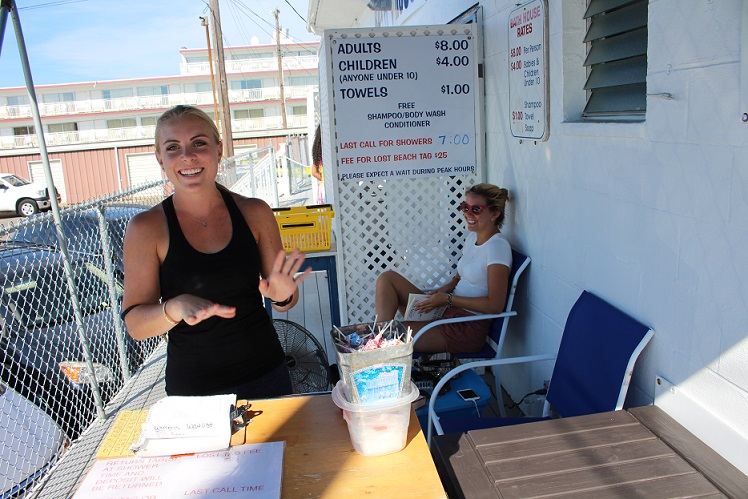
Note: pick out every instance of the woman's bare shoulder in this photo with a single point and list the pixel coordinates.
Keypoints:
(149, 222)
(251, 203)
(253, 208)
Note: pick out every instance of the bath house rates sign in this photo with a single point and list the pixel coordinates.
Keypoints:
(405, 103)
(528, 71)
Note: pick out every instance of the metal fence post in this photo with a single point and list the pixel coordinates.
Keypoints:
(56, 213)
(113, 300)
(274, 174)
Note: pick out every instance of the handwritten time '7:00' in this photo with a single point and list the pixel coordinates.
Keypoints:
(457, 139)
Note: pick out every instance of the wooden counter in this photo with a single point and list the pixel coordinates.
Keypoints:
(319, 460)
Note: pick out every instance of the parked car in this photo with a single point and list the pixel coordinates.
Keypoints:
(30, 443)
(23, 197)
(42, 356)
(82, 231)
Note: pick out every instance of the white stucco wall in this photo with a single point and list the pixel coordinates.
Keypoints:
(652, 216)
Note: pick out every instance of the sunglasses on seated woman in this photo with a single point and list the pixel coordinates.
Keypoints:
(475, 208)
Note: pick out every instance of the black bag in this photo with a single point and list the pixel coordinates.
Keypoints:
(427, 373)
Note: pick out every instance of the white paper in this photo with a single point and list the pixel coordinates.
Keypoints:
(251, 470)
(182, 425)
(411, 314)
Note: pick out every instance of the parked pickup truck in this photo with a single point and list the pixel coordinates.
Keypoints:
(21, 196)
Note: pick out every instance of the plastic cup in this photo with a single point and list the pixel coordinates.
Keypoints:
(376, 429)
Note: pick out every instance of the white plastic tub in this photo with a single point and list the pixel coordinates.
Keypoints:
(376, 429)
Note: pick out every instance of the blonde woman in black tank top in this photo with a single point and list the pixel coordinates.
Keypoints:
(197, 266)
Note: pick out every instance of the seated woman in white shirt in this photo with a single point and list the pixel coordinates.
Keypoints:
(480, 285)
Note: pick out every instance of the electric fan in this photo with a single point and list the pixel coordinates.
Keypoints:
(305, 358)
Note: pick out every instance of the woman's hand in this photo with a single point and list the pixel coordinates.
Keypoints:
(435, 300)
(282, 281)
(447, 288)
(193, 309)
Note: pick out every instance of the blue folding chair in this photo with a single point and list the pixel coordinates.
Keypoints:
(593, 368)
(499, 323)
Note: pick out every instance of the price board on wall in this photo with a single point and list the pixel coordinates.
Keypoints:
(405, 101)
(743, 88)
(528, 71)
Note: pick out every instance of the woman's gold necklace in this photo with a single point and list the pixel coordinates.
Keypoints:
(205, 222)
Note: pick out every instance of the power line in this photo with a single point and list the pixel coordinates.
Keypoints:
(297, 12)
(271, 25)
(239, 6)
(49, 4)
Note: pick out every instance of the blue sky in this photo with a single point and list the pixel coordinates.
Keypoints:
(94, 40)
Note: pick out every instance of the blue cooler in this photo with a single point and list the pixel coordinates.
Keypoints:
(450, 404)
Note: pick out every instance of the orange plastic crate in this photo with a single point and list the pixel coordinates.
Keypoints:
(305, 227)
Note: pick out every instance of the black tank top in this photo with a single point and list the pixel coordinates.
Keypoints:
(217, 353)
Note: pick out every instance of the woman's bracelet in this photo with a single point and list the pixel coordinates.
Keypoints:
(282, 303)
(449, 299)
(166, 315)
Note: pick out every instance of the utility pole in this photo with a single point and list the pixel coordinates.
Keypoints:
(276, 12)
(204, 22)
(223, 94)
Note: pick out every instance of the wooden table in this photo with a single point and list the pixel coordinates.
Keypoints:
(319, 459)
(638, 453)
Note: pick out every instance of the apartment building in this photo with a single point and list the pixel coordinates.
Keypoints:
(99, 134)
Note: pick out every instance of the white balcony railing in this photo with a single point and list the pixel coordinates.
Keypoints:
(71, 108)
(136, 133)
(253, 65)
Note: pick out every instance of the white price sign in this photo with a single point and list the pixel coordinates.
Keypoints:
(528, 71)
(405, 105)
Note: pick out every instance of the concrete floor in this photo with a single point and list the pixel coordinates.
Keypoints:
(492, 408)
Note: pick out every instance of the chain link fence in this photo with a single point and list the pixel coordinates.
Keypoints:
(62, 338)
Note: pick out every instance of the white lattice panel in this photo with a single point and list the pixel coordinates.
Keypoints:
(408, 225)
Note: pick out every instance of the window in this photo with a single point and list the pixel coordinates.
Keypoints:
(14, 102)
(59, 97)
(18, 100)
(245, 114)
(121, 123)
(23, 130)
(299, 53)
(158, 90)
(302, 80)
(117, 93)
(616, 60)
(62, 127)
(246, 84)
(148, 121)
(252, 55)
(203, 87)
(298, 110)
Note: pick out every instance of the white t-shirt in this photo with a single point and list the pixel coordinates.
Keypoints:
(473, 265)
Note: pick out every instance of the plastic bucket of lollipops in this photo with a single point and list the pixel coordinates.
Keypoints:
(376, 429)
(377, 374)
